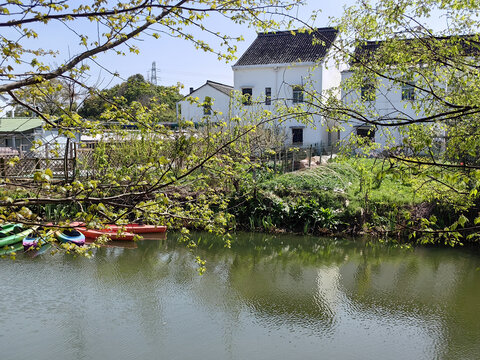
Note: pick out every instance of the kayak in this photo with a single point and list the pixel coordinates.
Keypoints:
(113, 235)
(130, 228)
(11, 248)
(30, 241)
(33, 240)
(139, 229)
(71, 236)
(13, 235)
(8, 227)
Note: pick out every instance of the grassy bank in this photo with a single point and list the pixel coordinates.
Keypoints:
(355, 196)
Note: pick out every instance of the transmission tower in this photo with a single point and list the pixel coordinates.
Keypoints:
(153, 74)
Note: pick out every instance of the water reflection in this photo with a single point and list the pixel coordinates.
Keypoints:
(268, 297)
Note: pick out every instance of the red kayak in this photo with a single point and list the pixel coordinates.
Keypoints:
(140, 229)
(131, 228)
(113, 235)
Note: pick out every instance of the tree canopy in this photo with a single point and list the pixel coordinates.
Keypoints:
(420, 61)
(152, 173)
(135, 89)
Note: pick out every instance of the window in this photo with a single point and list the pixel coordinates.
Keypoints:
(366, 132)
(329, 141)
(368, 92)
(268, 96)
(207, 106)
(408, 91)
(297, 135)
(247, 96)
(297, 94)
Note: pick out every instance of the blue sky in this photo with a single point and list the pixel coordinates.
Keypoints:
(178, 61)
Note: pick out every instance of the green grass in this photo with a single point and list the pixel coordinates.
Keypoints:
(329, 177)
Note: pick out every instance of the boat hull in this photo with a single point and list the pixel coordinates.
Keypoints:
(143, 229)
(128, 228)
(113, 235)
(71, 236)
(11, 248)
(15, 235)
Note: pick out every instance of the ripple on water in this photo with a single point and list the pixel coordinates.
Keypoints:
(150, 303)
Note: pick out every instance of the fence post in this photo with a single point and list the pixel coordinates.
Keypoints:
(65, 160)
(74, 160)
(293, 161)
(2, 167)
(274, 162)
(310, 157)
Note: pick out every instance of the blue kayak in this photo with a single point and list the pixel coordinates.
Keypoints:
(36, 238)
(71, 236)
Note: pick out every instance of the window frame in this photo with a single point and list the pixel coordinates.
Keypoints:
(247, 94)
(207, 106)
(368, 132)
(368, 92)
(297, 94)
(268, 96)
(299, 131)
(408, 91)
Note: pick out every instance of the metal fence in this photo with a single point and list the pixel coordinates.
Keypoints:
(292, 158)
(65, 161)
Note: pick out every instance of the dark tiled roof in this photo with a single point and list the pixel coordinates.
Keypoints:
(468, 45)
(283, 47)
(226, 89)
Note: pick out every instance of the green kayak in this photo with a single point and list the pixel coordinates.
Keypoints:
(13, 235)
(9, 227)
(12, 248)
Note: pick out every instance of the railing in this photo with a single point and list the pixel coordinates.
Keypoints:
(292, 158)
(65, 161)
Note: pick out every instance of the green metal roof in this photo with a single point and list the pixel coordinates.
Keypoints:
(10, 125)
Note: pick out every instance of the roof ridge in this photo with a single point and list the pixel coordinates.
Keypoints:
(218, 83)
(283, 47)
(296, 31)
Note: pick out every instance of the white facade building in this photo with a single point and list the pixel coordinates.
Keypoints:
(383, 102)
(20, 135)
(283, 68)
(210, 101)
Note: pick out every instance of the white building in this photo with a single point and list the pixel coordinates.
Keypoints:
(211, 101)
(383, 103)
(283, 68)
(20, 135)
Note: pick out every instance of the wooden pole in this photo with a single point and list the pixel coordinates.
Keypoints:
(310, 157)
(2, 167)
(74, 165)
(293, 161)
(275, 162)
(65, 160)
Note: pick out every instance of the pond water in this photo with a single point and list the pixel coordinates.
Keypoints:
(270, 297)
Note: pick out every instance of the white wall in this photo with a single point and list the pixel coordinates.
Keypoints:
(194, 112)
(281, 79)
(388, 103)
